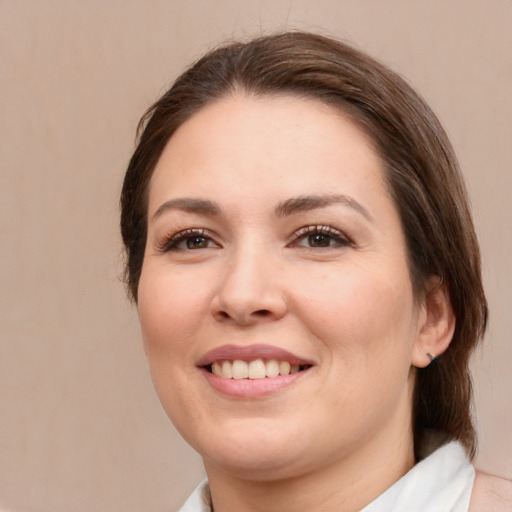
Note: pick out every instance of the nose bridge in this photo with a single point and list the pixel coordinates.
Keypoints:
(250, 289)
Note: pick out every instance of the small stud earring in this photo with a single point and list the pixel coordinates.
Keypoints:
(433, 357)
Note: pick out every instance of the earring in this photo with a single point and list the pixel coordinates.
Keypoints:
(433, 357)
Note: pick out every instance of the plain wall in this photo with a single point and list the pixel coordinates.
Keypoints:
(81, 428)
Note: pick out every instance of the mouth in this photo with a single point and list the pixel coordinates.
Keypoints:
(255, 369)
(254, 362)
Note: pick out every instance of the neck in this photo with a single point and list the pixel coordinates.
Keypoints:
(348, 484)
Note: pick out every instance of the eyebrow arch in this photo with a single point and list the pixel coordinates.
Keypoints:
(306, 203)
(189, 204)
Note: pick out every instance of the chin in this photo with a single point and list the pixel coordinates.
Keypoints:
(254, 465)
(255, 451)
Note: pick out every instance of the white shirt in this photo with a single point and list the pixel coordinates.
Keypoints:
(442, 482)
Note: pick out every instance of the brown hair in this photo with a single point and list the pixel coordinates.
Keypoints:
(421, 169)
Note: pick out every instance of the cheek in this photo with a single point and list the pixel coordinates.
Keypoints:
(367, 328)
(169, 314)
(170, 308)
(360, 314)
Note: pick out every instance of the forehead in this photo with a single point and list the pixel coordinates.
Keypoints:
(267, 143)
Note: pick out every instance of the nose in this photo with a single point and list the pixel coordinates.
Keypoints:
(250, 290)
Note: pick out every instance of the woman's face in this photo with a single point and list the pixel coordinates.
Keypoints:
(274, 246)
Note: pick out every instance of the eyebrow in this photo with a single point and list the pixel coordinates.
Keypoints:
(189, 204)
(306, 203)
(289, 207)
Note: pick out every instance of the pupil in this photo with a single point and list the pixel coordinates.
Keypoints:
(319, 240)
(197, 242)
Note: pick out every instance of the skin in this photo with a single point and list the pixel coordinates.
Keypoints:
(491, 493)
(341, 434)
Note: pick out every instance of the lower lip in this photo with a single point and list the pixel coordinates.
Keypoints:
(252, 388)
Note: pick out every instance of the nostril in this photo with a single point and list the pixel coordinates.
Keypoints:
(245, 310)
(262, 312)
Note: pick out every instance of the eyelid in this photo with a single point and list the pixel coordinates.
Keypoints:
(170, 241)
(336, 234)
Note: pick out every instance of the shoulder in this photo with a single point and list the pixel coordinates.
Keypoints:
(491, 494)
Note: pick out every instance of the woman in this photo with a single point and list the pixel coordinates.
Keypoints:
(307, 276)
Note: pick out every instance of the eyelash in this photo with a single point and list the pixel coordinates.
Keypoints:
(340, 240)
(171, 243)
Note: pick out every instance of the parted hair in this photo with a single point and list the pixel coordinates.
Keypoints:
(422, 175)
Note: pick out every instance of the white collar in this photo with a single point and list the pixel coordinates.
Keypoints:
(199, 500)
(442, 482)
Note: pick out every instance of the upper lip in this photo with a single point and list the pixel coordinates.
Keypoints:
(250, 353)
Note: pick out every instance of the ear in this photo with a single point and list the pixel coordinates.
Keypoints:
(436, 323)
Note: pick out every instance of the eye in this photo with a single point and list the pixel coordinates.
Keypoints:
(189, 239)
(319, 237)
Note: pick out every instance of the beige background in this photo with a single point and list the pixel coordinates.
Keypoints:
(80, 428)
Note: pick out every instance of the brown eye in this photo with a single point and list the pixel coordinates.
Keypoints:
(190, 239)
(319, 237)
(320, 240)
(196, 242)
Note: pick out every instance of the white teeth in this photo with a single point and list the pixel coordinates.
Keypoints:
(240, 370)
(284, 368)
(272, 368)
(257, 369)
(226, 370)
(216, 368)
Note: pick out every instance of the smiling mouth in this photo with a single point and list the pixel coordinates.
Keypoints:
(255, 369)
